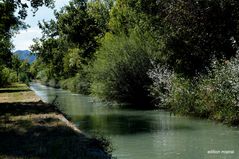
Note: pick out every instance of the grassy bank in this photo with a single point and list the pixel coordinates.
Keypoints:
(30, 128)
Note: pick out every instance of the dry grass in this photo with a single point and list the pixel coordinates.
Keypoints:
(30, 128)
(17, 93)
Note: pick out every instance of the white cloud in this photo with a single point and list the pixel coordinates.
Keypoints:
(23, 40)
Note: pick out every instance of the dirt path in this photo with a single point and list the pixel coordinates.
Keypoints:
(30, 128)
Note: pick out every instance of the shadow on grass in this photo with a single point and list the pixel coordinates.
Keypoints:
(25, 108)
(46, 142)
(13, 90)
(48, 137)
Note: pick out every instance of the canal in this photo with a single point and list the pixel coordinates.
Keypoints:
(151, 134)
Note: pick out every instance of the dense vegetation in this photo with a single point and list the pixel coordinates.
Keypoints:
(180, 55)
(12, 18)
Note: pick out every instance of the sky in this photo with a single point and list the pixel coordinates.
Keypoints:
(23, 39)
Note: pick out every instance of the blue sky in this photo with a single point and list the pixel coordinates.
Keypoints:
(23, 40)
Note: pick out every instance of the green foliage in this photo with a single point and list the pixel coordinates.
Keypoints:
(198, 31)
(23, 77)
(126, 15)
(11, 20)
(69, 43)
(23, 72)
(222, 91)
(50, 53)
(99, 11)
(122, 17)
(212, 96)
(192, 32)
(182, 96)
(73, 62)
(7, 76)
(17, 72)
(35, 68)
(80, 83)
(76, 24)
(120, 70)
(107, 47)
(43, 75)
(8, 21)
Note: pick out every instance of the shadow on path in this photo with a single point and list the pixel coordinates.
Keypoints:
(35, 130)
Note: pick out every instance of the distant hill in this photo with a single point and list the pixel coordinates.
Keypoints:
(25, 55)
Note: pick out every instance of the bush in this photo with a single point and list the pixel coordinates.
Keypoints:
(182, 96)
(162, 84)
(78, 84)
(24, 77)
(171, 91)
(214, 96)
(7, 76)
(42, 75)
(120, 70)
(220, 91)
(53, 83)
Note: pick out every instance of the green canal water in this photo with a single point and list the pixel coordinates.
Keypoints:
(152, 134)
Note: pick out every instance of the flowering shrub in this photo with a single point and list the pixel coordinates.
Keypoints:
(162, 83)
(215, 95)
(222, 89)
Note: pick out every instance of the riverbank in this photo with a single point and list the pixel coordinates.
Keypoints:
(33, 129)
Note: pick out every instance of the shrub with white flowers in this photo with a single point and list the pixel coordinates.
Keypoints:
(162, 83)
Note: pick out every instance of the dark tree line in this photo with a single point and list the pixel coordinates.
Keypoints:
(108, 47)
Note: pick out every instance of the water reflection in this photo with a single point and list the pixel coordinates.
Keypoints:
(121, 124)
(145, 134)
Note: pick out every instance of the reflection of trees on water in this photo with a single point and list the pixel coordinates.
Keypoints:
(54, 101)
(118, 124)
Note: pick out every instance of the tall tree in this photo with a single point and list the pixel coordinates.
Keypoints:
(10, 22)
(198, 31)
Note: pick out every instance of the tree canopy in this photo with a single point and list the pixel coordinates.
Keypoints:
(11, 22)
(104, 46)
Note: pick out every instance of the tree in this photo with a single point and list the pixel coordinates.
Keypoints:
(119, 72)
(16, 63)
(70, 42)
(11, 22)
(7, 21)
(77, 26)
(199, 31)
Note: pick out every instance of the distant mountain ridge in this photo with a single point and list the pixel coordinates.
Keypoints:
(25, 55)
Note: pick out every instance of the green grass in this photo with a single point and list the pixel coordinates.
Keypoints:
(16, 87)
